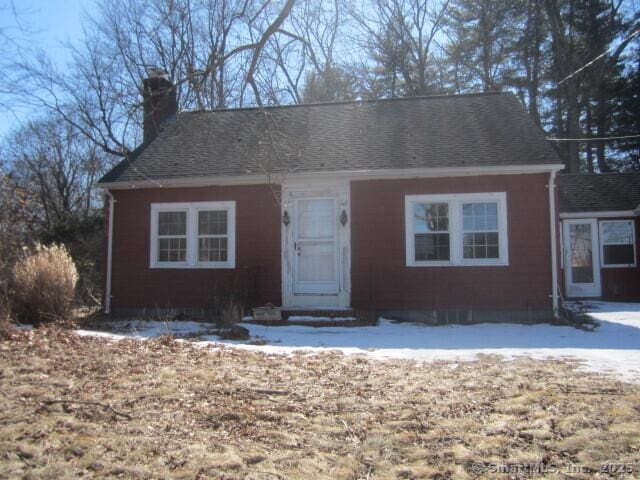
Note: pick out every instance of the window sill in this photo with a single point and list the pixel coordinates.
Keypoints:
(457, 265)
(621, 265)
(197, 266)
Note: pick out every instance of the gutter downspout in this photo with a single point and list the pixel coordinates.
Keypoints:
(554, 246)
(107, 296)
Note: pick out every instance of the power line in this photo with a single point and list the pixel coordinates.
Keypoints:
(587, 65)
(592, 139)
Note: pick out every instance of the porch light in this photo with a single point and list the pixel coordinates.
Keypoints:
(343, 218)
(285, 218)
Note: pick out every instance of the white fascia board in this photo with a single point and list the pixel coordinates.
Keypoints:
(278, 179)
(603, 214)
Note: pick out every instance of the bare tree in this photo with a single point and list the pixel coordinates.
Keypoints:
(55, 168)
(210, 49)
(14, 36)
(308, 62)
(402, 38)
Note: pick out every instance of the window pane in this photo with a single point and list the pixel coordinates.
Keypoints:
(212, 249)
(480, 217)
(317, 261)
(618, 254)
(172, 250)
(316, 218)
(581, 253)
(492, 222)
(172, 223)
(212, 222)
(480, 245)
(432, 246)
(430, 217)
(480, 224)
(617, 233)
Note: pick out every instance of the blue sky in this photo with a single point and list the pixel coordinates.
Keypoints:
(50, 23)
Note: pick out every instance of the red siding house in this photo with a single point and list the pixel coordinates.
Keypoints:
(413, 206)
(600, 217)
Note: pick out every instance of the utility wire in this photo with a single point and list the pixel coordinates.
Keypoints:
(587, 65)
(591, 139)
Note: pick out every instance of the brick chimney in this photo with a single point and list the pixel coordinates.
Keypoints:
(159, 102)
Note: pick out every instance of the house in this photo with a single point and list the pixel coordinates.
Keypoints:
(600, 216)
(411, 205)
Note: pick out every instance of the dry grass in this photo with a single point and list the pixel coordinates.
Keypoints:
(166, 409)
(43, 284)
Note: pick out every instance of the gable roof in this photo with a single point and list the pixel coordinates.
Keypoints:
(472, 130)
(599, 192)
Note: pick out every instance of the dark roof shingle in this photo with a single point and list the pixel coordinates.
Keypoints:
(439, 131)
(599, 192)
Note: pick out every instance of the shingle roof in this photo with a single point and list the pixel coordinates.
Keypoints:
(441, 131)
(599, 192)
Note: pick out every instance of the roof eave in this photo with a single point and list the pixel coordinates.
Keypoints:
(600, 214)
(278, 178)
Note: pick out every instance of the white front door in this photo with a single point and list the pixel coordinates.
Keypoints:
(582, 258)
(316, 246)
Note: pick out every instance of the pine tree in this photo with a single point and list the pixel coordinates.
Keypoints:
(484, 36)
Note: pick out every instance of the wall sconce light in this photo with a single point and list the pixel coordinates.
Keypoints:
(343, 218)
(285, 218)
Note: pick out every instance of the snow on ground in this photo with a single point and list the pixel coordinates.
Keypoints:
(150, 329)
(616, 312)
(303, 318)
(613, 347)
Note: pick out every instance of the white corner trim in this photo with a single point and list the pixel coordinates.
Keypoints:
(107, 294)
(276, 178)
(603, 214)
(455, 201)
(554, 245)
(191, 209)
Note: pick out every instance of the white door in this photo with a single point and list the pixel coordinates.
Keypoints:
(316, 247)
(582, 258)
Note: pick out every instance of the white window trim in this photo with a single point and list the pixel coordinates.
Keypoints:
(602, 245)
(455, 202)
(192, 210)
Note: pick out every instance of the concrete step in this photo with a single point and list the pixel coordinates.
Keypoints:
(321, 318)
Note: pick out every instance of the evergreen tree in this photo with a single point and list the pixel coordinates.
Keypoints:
(484, 35)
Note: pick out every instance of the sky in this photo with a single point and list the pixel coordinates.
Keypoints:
(50, 24)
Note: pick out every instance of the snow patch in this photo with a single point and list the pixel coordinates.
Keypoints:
(613, 347)
(302, 318)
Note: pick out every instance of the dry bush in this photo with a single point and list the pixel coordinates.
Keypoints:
(230, 314)
(5, 315)
(43, 285)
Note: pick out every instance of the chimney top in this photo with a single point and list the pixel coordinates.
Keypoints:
(156, 72)
(159, 102)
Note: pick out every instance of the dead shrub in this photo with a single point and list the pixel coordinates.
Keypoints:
(230, 313)
(43, 285)
(5, 315)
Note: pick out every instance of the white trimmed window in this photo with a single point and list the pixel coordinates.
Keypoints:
(193, 235)
(617, 242)
(456, 229)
